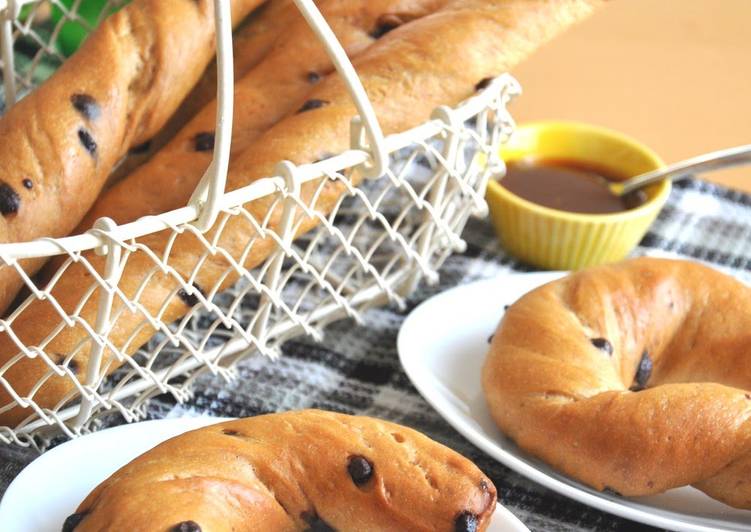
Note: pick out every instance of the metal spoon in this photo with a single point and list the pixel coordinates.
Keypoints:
(696, 165)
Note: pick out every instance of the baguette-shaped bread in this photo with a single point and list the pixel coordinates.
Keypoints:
(438, 59)
(59, 144)
(304, 470)
(250, 42)
(277, 85)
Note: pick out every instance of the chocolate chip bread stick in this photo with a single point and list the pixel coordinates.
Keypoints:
(306, 470)
(250, 42)
(59, 144)
(437, 59)
(295, 64)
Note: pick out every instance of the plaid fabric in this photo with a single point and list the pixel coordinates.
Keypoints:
(355, 369)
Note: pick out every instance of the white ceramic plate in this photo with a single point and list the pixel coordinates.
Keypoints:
(442, 345)
(51, 487)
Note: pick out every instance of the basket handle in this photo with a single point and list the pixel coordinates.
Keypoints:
(367, 117)
(9, 10)
(208, 194)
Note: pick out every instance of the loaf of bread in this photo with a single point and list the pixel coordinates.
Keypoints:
(277, 85)
(634, 377)
(250, 42)
(59, 144)
(437, 59)
(304, 470)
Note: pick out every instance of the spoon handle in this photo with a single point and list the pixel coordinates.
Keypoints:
(715, 160)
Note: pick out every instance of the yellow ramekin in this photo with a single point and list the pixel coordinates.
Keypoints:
(561, 240)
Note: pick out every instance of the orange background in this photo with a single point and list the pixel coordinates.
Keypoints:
(675, 74)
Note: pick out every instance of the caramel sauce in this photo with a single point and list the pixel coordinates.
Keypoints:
(567, 185)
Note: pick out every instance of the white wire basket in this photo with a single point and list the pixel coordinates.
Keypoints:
(372, 248)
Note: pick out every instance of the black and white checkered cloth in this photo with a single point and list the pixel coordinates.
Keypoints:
(355, 369)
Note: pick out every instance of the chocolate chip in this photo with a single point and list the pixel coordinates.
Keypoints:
(87, 141)
(603, 345)
(465, 522)
(385, 24)
(141, 148)
(190, 299)
(28, 183)
(230, 432)
(204, 141)
(313, 77)
(315, 523)
(506, 307)
(484, 83)
(73, 521)
(186, 526)
(490, 338)
(747, 395)
(312, 104)
(73, 364)
(86, 105)
(611, 491)
(360, 469)
(643, 372)
(484, 485)
(10, 201)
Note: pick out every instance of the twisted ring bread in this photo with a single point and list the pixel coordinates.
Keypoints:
(634, 377)
(307, 470)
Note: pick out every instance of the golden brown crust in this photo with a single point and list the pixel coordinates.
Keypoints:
(295, 63)
(250, 42)
(407, 74)
(59, 144)
(565, 395)
(275, 472)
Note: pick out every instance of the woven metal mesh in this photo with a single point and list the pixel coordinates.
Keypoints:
(315, 252)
